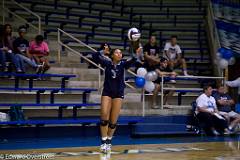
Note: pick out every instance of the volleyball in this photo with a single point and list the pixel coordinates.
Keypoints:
(134, 34)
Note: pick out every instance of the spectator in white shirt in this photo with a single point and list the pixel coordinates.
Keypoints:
(172, 52)
(208, 114)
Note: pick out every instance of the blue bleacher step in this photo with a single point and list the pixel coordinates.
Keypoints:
(152, 129)
(172, 119)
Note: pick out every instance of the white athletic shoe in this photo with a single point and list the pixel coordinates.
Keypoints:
(105, 156)
(103, 148)
(109, 148)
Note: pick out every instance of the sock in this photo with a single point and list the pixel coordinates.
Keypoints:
(104, 140)
(109, 140)
(185, 72)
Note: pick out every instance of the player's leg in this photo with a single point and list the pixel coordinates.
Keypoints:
(115, 111)
(105, 113)
(235, 122)
(234, 83)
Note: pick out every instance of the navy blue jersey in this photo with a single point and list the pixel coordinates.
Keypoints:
(114, 74)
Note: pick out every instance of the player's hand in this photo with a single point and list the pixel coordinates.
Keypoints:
(106, 50)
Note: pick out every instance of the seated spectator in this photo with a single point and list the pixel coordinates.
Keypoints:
(151, 51)
(39, 50)
(208, 114)
(22, 55)
(7, 54)
(225, 104)
(162, 69)
(172, 52)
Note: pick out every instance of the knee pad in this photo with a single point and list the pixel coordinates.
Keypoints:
(104, 122)
(112, 126)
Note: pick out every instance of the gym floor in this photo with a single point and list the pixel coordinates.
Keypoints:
(125, 148)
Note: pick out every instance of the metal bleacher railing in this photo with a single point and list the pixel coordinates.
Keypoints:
(61, 33)
(12, 2)
(181, 91)
(213, 37)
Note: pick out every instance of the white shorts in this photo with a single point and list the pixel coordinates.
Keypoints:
(231, 114)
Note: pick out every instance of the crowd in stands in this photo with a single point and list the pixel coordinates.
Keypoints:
(163, 62)
(216, 111)
(18, 53)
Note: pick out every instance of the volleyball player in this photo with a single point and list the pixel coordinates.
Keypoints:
(112, 94)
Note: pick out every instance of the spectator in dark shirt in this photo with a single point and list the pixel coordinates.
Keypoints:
(151, 52)
(21, 50)
(162, 69)
(225, 105)
(7, 54)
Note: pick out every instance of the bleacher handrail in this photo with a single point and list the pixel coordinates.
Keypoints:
(199, 77)
(213, 36)
(82, 56)
(195, 89)
(19, 17)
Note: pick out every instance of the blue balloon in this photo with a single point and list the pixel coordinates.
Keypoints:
(139, 82)
(221, 50)
(227, 54)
